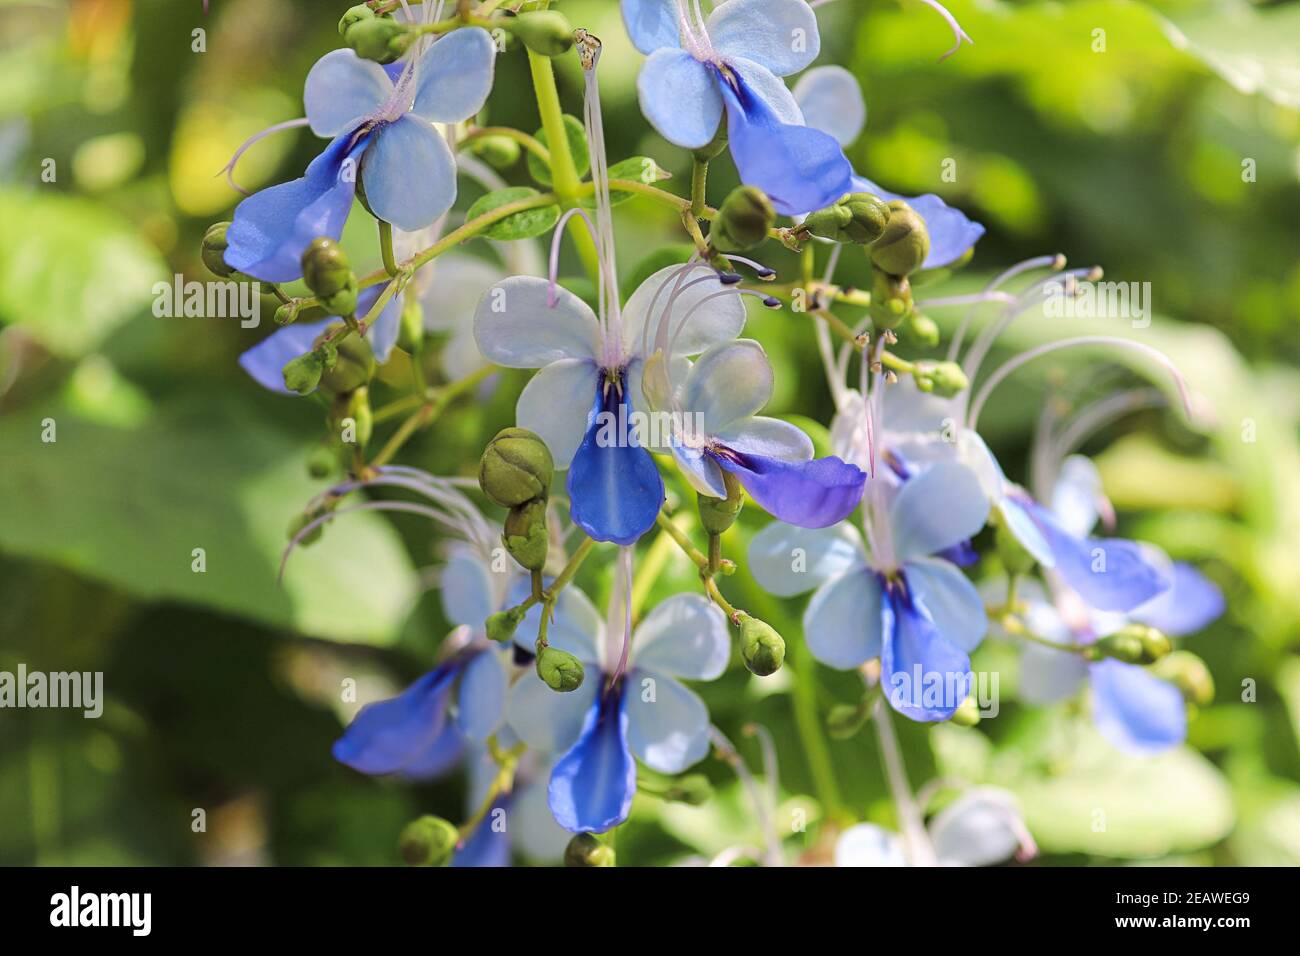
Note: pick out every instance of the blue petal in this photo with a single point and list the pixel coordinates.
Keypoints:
(615, 490)
(781, 35)
(843, 621)
(486, 846)
(810, 494)
(1193, 602)
(481, 698)
(273, 228)
(592, 784)
(439, 757)
(1135, 711)
(652, 24)
(1111, 574)
(801, 169)
(455, 76)
(679, 96)
(952, 234)
(266, 360)
(925, 676)
(410, 175)
(390, 735)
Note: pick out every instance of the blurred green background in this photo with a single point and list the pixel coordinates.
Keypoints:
(222, 687)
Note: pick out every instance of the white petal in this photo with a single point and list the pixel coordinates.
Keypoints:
(954, 604)
(684, 636)
(517, 326)
(831, 100)
(729, 382)
(468, 587)
(938, 508)
(1077, 494)
(409, 174)
(719, 319)
(455, 76)
(557, 404)
(980, 828)
(481, 697)
(786, 560)
(769, 437)
(780, 34)
(667, 725)
(547, 719)
(342, 90)
(866, 844)
(843, 623)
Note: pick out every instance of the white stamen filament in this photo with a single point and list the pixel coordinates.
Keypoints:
(1056, 262)
(607, 282)
(229, 168)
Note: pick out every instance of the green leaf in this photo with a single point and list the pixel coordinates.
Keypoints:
(522, 225)
(638, 168)
(71, 272)
(577, 136)
(129, 505)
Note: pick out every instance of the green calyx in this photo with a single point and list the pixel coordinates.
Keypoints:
(585, 850)
(1134, 644)
(328, 273)
(560, 670)
(944, 379)
(743, 220)
(762, 648)
(719, 514)
(516, 467)
(904, 243)
(545, 32)
(411, 331)
(349, 363)
(378, 38)
(303, 374)
(499, 152)
(354, 15)
(213, 250)
(891, 299)
(354, 406)
(857, 217)
(1189, 674)
(1016, 560)
(428, 841)
(502, 625)
(967, 714)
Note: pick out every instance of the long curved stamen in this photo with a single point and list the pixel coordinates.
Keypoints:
(766, 820)
(554, 270)
(771, 768)
(593, 119)
(760, 270)
(675, 279)
(1056, 263)
(1002, 371)
(409, 507)
(229, 168)
(1090, 419)
(959, 35)
(623, 597)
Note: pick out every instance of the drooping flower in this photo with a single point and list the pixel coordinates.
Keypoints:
(590, 376)
(639, 709)
(382, 137)
(831, 100)
(717, 430)
(698, 70)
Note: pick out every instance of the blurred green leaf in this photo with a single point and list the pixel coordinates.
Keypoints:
(522, 225)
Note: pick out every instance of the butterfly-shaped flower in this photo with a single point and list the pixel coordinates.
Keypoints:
(719, 431)
(380, 123)
(732, 63)
(831, 100)
(591, 377)
(645, 711)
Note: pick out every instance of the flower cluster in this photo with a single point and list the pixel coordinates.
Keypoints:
(564, 703)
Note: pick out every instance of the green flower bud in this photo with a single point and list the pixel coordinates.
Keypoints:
(343, 302)
(586, 850)
(560, 670)
(1135, 644)
(743, 220)
(502, 625)
(326, 268)
(968, 714)
(516, 467)
(428, 841)
(525, 536)
(857, 217)
(303, 373)
(719, 514)
(904, 243)
(891, 299)
(761, 646)
(411, 334)
(944, 379)
(354, 15)
(213, 250)
(352, 366)
(919, 331)
(499, 152)
(845, 720)
(378, 38)
(287, 313)
(1189, 674)
(545, 32)
(693, 790)
(356, 406)
(322, 462)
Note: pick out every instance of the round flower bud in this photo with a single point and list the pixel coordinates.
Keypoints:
(857, 217)
(545, 32)
(904, 243)
(322, 461)
(944, 379)
(743, 220)
(411, 333)
(499, 152)
(325, 267)
(213, 250)
(560, 670)
(920, 331)
(428, 841)
(845, 720)
(502, 625)
(891, 299)
(524, 534)
(287, 313)
(352, 366)
(378, 38)
(586, 850)
(354, 15)
(1189, 674)
(761, 646)
(1135, 644)
(303, 374)
(693, 790)
(516, 467)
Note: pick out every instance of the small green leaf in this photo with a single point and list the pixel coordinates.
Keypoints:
(641, 169)
(522, 225)
(577, 145)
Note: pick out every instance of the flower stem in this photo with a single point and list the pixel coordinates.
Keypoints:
(810, 732)
(386, 247)
(920, 851)
(699, 179)
(438, 399)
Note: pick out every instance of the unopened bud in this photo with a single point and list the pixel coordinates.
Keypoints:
(213, 250)
(944, 379)
(545, 32)
(904, 243)
(1135, 644)
(743, 220)
(920, 331)
(585, 849)
(693, 790)
(354, 15)
(761, 646)
(355, 405)
(502, 625)
(322, 461)
(287, 313)
(1189, 674)
(719, 514)
(891, 299)
(351, 366)
(560, 670)
(411, 332)
(524, 534)
(325, 267)
(428, 841)
(379, 38)
(499, 152)
(858, 218)
(303, 374)
(516, 467)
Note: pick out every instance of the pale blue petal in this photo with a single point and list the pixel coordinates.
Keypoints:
(713, 318)
(468, 588)
(1023, 528)
(593, 783)
(842, 624)
(786, 560)
(679, 96)
(684, 636)
(556, 404)
(950, 599)
(831, 100)
(940, 507)
(729, 382)
(576, 626)
(342, 90)
(266, 360)
(517, 326)
(1138, 713)
(1192, 603)
(652, 24)
(982, 827)
(782, 35)
(701, 471)
(768, 437)
(1077, 494)
(770, 88)
(481, 698)
(866, 844)
(533, 829)
(454, 77)
(409, 174)
(667, 725)
(547, 719)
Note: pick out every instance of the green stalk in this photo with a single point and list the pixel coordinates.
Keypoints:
(810, 732)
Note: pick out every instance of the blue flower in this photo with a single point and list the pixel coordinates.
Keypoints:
(520, 822)
(381, 131)
(265, 361)
(591, 375)
(831, 101)
(718, 431)
(732, 63)
(917, 613)
(596, 730)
